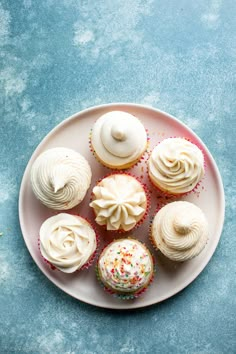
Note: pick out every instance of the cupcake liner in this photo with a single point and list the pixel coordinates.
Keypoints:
(127, 166)
(151, 239)
(45, 260)
(131, 296)
(197, 187)
(95, 253)
(91, 258)
(127, 296)
(148, 197)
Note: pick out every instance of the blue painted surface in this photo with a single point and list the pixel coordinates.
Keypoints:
(58, 57)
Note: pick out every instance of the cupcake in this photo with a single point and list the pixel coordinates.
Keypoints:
(68, 242)
(125, 267)
(60, 178)
(119, 202)
(118, 140)
(176, 166)
(180, 231)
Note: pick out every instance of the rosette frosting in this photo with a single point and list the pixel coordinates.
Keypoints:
(119, 202)
(67, 241)
(176, 165)
(60, 178)
(118, 138)
(125, 266)
(180, 230)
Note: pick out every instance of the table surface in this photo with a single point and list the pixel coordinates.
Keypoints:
(58, 57)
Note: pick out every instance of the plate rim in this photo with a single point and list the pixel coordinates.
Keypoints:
(77, 116)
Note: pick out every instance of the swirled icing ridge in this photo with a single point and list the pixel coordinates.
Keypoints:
(176, 165)
(67, 241)
(60, 178)
(180, 230)
(119, 202)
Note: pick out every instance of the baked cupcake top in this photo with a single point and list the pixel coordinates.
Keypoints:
(176, 165)
(118, 138)
(180, 230)
(60, 178)
(67, 241)
(119, 202)
(125, 265)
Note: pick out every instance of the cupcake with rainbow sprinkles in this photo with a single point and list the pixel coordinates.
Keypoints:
(125, 268)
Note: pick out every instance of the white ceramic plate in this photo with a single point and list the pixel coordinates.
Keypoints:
(170, 277)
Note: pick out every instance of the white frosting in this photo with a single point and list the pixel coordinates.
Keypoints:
(119, 202)
(180, 230)
(67, 241)
(118, 138)
(125, 265)
(176, 165)
(60, 178)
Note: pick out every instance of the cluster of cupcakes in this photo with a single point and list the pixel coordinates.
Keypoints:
(61, 177)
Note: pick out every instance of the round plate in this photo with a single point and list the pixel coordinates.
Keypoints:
(170, 277)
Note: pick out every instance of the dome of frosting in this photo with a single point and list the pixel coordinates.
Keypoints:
(119, 202)
(60, 178)
(176, 165)
(67, 241)
(125, 266)
(114, 141)
(180, 230)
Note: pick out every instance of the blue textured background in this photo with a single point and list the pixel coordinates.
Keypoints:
(60, 56)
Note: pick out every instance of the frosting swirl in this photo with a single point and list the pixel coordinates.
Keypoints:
(114, 141)
(119, 202)
(60, 178)
(125, 266)
(180, 230)
(176, 165)
(67, 241)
